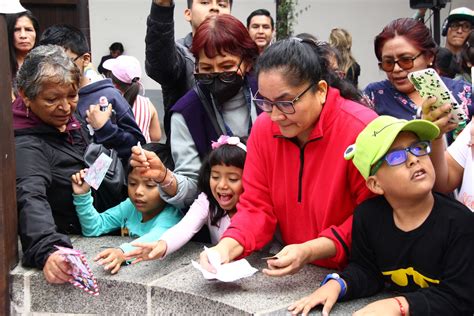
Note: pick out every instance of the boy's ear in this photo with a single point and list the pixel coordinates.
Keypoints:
(86, 59)
(374, 185)
(188, 14)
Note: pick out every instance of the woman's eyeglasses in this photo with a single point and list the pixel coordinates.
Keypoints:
(399, 156)
(405, 63)
(286, 107)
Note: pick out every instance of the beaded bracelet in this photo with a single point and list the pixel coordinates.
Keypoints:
(164, 186)
(402, 309)
(164, 178)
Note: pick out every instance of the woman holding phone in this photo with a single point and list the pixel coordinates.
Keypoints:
(405, 45)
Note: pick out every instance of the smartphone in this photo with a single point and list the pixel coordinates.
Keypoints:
(429, 84)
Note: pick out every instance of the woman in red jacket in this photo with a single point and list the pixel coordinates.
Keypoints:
(295, 174)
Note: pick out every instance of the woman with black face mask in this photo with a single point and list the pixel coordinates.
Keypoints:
(219, 104)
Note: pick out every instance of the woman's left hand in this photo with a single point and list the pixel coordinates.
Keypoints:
(388, 307)
(439, 116)
(112, 258)
(97, 118)
(290, 260)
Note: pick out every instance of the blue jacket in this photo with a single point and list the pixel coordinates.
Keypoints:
(121, 132)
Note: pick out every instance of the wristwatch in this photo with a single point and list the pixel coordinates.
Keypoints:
(335, 276)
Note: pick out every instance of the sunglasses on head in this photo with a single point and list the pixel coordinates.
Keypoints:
(404, 62)
(398, 156)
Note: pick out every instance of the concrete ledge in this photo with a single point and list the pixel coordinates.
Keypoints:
(170, 286)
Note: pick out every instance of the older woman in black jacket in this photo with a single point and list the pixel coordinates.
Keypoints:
(49, 149)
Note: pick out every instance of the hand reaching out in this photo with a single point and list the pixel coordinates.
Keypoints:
(79, 186)
(290, 260)
(112, 258)
(326, 295)
(146, 251)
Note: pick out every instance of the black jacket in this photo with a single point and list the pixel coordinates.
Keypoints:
(45, 161)
(169, 63)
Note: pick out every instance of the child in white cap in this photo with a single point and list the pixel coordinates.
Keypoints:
(409, 240)
(125, 74)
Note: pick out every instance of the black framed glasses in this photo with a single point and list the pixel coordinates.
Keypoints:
(405, 63)
(398, 156)
(286, 107)
(465, 26)
(224, 76)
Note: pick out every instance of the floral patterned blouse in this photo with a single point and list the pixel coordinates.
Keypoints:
(386, 100)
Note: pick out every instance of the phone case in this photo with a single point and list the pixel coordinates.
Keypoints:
(428, 83)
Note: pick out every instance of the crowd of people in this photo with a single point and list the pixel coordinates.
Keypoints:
(264, 138)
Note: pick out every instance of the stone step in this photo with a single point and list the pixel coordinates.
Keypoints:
(171, 286)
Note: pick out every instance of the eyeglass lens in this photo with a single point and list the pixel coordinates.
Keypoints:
(465, 26)
(398, 157)
(404, 62)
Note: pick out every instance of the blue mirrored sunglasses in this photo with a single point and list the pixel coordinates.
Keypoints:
(399, 156)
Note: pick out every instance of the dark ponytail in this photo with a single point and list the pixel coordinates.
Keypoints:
(305, 60)
(129, 90)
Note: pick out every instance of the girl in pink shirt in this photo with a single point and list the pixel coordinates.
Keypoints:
(220, 181)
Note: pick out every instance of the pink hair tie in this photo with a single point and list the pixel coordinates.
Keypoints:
(226, 140)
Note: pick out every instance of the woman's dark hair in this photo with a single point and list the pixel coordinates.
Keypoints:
(129, 90)
(304, 61)
(228, 155)
(467, 53)
(446, 63)
(223, 33)
(413, 31)
(11, 22)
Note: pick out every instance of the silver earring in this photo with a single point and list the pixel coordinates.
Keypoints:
(27, 111)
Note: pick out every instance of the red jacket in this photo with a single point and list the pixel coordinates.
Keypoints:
(309, 192)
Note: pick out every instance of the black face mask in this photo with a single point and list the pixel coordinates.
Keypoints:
(222, 85)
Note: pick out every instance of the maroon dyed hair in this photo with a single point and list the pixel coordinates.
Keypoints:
(223, 33)
(414, 32)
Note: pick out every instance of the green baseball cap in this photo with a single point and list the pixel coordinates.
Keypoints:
(377, 137)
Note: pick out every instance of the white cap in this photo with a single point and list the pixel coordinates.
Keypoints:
(11, 6)
(124, 68)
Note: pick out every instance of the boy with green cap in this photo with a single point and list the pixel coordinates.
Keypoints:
(408, 239)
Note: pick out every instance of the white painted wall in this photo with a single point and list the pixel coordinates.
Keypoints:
(125, 21)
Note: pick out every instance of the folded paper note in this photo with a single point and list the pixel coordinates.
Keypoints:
(228, 272)
(96, 173)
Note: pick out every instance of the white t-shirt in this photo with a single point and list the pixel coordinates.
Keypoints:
(462, 154)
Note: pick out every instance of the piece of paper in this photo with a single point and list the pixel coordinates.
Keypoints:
(98, 170)
(81, 273)
(228, 272)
